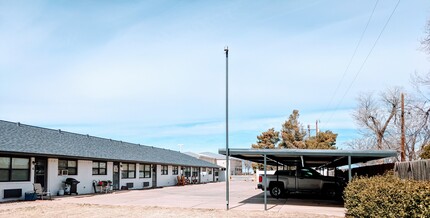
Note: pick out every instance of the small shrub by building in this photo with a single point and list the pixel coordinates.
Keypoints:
(387, 196)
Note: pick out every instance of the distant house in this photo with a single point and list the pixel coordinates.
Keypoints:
(30, 154)
(236, 165)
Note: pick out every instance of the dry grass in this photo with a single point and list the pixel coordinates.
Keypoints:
(58, 210)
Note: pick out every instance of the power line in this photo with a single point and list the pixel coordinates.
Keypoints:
(350, 60)
(365, 60)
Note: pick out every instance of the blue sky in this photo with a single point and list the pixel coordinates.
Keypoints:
(153, 72)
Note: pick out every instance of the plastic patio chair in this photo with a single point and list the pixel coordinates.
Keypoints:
(38, 189)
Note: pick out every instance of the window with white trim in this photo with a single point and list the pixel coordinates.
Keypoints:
(175, 170)
(144, 170)
(71, 166)
(14, 169)
(195, 171)
(99, 168)
(164, 170)
(128, 170)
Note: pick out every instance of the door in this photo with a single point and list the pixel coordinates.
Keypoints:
(154, 175)
(115, 179)
(40, 171)
(308, 180)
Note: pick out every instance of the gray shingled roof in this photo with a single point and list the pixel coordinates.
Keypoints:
(25, 139)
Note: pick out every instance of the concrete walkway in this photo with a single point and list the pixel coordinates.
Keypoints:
(243, 196)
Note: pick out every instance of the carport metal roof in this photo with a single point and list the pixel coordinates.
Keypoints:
(311, 157)
(308, 157)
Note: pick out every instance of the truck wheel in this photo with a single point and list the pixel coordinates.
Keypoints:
(276, 191)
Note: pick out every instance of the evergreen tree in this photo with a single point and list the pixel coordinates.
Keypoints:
(293, 136)
(267, 140)
(292, 132)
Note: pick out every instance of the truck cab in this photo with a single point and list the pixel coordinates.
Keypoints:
(301, 180)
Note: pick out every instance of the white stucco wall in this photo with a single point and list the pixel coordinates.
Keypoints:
(236, 167)
(221, 175)
(206, 177)
(85, 167)
(26, 186)
(234, 163)
(166, 180)
(55, 182)
(137, 182)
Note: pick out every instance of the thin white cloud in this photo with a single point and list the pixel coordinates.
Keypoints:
(158, 71)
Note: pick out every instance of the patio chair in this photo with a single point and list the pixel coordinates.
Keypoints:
(107, 187)
(38, 189)
(179, 181)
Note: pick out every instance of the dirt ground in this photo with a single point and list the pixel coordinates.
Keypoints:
(202, 200)
(59, 209)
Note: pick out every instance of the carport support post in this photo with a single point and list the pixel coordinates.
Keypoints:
(349, 169)
(265, 184)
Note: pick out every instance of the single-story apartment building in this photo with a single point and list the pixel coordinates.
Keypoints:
(30, 154)
(220, 177)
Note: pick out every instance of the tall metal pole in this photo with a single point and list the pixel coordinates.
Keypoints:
(402, 146)
(227, 152)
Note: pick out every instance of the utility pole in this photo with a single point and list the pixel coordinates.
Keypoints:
(402, 146)
(227, 152)
(317, 131)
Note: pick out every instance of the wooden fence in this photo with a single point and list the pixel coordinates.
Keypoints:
(417, 170)
(372, 170)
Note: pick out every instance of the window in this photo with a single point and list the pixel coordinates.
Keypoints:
(144, 170)
(14, 169)
(128, 170)
(187, 171)
(164, 170)
(307, 172)
(216, 172)
(70, 165)
(203, 169)
(99, 168)
(175, 170)
(195, 171)
(210, 171)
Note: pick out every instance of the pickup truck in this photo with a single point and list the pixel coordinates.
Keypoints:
(302, 180)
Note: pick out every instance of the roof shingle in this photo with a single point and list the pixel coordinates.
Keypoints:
(25, 139)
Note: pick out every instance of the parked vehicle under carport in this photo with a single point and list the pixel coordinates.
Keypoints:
(300, 181)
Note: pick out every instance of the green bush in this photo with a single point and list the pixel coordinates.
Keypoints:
(387, 196)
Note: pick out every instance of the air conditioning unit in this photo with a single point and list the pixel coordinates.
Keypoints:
(63, 172)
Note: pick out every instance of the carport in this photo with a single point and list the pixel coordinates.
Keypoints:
(306, 157)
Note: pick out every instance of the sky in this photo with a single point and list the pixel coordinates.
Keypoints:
(153, 72)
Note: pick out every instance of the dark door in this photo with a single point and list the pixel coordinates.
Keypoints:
(154, 175)
(40, 171)
(115, 179)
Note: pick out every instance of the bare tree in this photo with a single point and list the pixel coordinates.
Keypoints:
(366, 142)
(376, 115)
(418, 115)
(380, 122)
(426, 41)
(247, 165)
